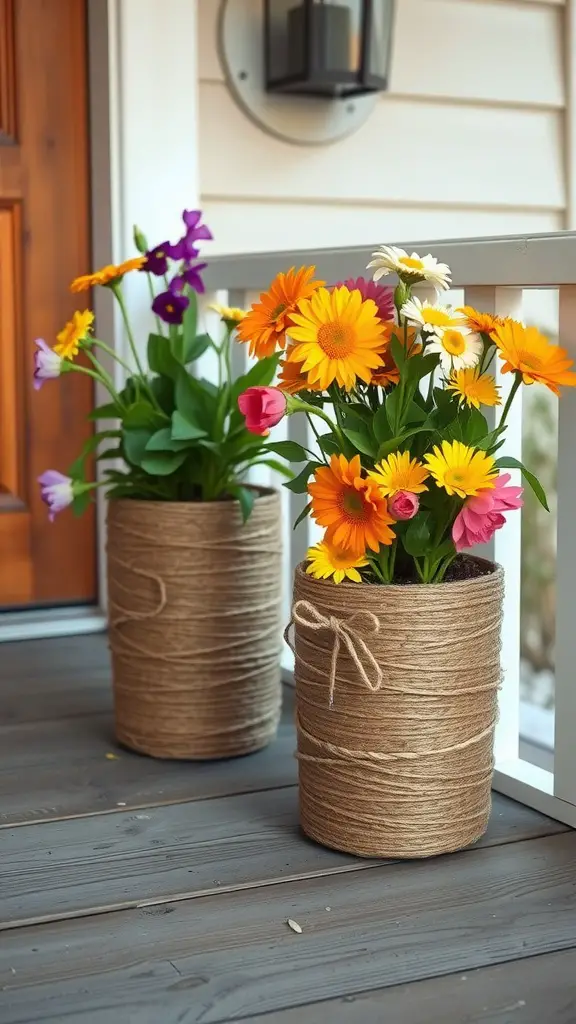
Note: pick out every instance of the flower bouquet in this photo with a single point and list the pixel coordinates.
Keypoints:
(193, 602)
(397, 626)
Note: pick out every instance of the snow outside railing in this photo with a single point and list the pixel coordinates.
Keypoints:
(494, 274)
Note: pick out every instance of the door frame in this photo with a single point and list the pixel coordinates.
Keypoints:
(143, 162)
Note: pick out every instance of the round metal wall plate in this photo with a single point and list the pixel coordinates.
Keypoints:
(302, 120)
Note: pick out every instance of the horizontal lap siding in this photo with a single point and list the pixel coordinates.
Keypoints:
(469, 141)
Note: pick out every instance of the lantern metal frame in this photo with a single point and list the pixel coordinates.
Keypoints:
(315, 80)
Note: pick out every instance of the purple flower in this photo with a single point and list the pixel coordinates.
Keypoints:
(157, 259)
(171, 305)
(192, 277)
(383, 297)
(185, 249)
(56, 490)
(47, 364)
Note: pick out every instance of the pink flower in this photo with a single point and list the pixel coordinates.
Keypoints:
(56, 491)
(383, 297)
(404, 505)
(47, 364)
(480, 516)
(262, 407)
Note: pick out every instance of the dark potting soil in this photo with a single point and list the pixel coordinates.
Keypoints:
(464, 567)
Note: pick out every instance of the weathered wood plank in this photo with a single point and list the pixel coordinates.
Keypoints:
(49, 680)
(61, 869)
(228, 957)
(59, 769)
(540, 988)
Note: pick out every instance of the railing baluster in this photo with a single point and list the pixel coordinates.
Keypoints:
(505, 546)
(565, 699)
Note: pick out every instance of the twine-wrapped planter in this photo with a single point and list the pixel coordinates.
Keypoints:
(396, 695)
(195, 606)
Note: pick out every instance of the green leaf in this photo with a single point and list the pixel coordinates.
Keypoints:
(160, 356)
(329, 444)
(197, 347)
(162, 463)
(392, 406)
(397, 351)
(446, 408)
(81, 502)
(278, 467)
(395, 443)
(507, 462)
(183, 429)
(417, 537)
(420, 366)
(416, 414)
(143, 414)
(162, 441)
(246, 497)
(380, 425)
(488, 443)
(108, 411)
(290, 450)
(259, 375)
(194, 401)
(474, 426)
(299, 485)
(110, 453)
(76, 470)
(363, 442)
(134, 441)
(305, 511)
(189, 328)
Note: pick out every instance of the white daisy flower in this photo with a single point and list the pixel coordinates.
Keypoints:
(389, 259)
(458, 348)
(432, 318)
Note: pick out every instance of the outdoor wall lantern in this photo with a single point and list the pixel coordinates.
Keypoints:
(327, 48)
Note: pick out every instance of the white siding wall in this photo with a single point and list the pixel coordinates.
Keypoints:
(470, 140)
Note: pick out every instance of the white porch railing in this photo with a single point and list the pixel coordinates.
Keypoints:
(494, 274)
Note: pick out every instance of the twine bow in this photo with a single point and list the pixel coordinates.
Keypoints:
(345, 632)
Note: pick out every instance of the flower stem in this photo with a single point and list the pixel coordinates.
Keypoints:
(96, 343)
(96, 376)
(117, 289)
(317, 436)
(153, 296)
(510, 399)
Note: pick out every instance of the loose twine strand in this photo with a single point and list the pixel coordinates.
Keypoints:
(195, 605)
(396, 708)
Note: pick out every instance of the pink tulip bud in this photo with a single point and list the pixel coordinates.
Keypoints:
(263, 408)
(404, 505)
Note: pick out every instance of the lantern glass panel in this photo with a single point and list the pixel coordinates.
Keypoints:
(380, 39)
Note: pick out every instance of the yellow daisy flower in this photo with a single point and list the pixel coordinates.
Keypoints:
(461, 470)
(399, 473)
(326, 560)
(229, 314)
(107, 275)
(337, 337)
(473, 389)
(68, 341)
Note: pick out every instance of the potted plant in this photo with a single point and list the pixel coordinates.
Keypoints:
(193, 551)
(397, 625)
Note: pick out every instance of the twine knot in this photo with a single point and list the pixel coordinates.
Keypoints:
(345, 632)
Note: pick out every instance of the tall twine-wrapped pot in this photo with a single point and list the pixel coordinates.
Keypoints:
(195, 607)
(396, 695)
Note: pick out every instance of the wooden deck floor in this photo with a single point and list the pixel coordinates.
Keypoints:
(141, 892)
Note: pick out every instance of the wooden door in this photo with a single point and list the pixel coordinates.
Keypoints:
(44, 244)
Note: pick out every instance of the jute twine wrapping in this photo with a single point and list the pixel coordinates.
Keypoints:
(396, 695)
(195, 609)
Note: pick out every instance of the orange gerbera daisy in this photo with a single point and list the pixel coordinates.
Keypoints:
(388, 373)
(525, 350)
(480, 323)
(291, 380)
(266, 323)
(351, 507)
(107, 275)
